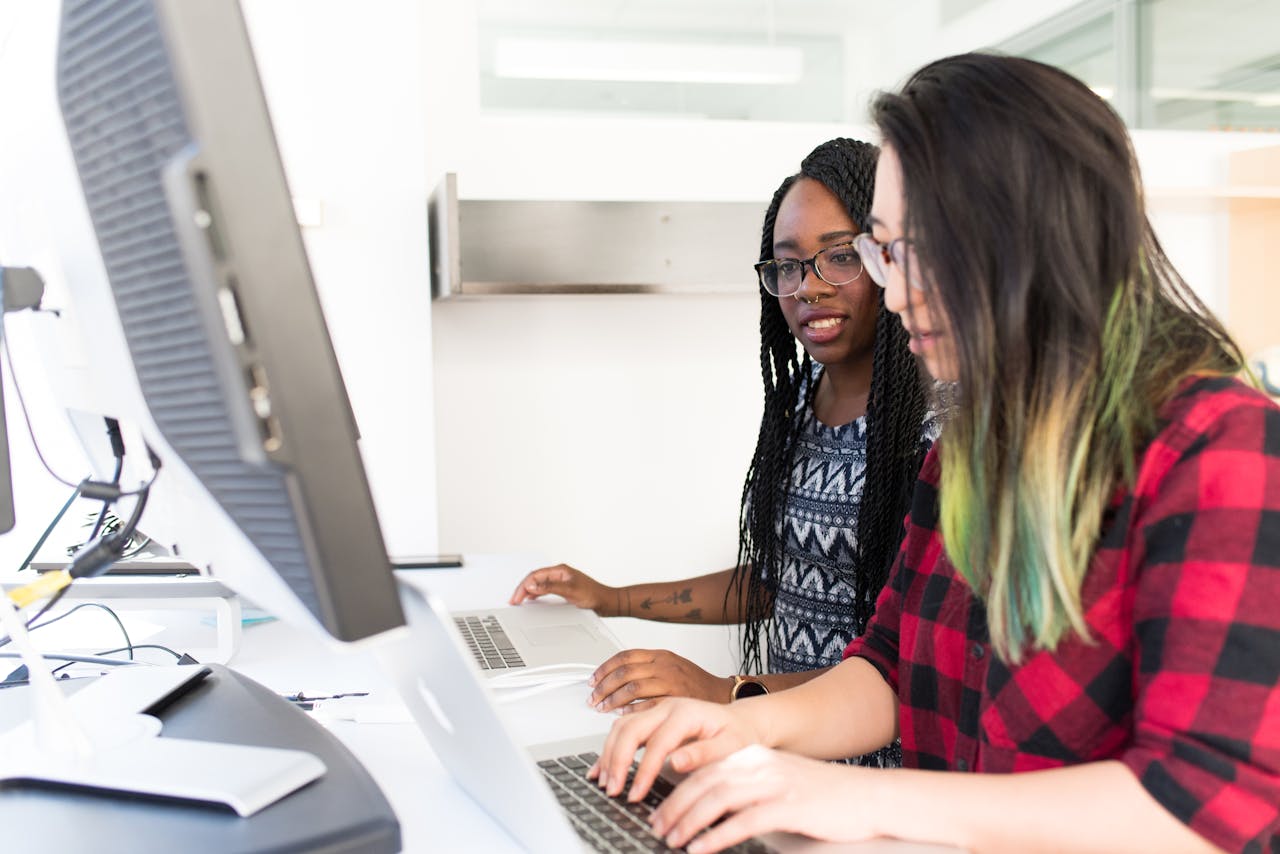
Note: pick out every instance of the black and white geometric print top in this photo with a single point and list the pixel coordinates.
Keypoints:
(816, 587)
(813, 617)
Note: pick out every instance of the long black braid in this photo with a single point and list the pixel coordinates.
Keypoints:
(896, 408)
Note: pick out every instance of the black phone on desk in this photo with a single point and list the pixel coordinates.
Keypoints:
(443, 561)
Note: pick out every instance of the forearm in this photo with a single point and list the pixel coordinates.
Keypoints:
(848, 710)
(776, 682)
(691, 600)
(1097, 806)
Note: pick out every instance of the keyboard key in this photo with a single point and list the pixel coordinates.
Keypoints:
(608, 824)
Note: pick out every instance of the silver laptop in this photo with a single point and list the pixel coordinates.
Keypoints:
(537, 794)
(552, 638)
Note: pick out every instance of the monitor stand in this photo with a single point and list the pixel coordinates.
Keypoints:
(101, 738)
(20, 287)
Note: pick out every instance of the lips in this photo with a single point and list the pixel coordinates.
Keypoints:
(820, 326)
(817, 315)
(920, 339)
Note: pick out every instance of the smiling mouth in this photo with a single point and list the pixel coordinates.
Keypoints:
(825, 323)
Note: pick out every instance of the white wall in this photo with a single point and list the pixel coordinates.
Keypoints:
(346, 92)
(614, 432)
(609, 431)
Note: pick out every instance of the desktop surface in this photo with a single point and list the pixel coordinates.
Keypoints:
(433, 812)
(342, 811)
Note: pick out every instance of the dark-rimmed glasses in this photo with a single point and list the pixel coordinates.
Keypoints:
(835, 265)
(876, 258)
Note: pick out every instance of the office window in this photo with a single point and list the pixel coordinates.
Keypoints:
(1170, 64)
(1086, 50)
(1214, 65)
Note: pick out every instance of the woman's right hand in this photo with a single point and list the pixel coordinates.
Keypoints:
(688, 733)
(576, 587)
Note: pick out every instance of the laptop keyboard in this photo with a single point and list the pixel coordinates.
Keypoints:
(488, 642)
(612, 824)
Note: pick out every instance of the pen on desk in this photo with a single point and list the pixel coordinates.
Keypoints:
(307, 702)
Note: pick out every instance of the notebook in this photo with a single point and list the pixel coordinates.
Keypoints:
(550, 638)
(533, 793)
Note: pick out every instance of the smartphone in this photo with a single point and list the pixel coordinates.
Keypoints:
(427, 562)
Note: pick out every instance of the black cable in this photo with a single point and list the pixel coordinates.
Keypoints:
(128, 640)
(53, 600)
(13, 374)
(98, 556)
(117, 451)
(106, 505)
(44, 610)
(49, 530)
(69, 659)
(176, 655)
(136, 549)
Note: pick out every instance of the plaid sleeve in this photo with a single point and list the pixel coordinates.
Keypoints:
(1206, 552)
(879, 643)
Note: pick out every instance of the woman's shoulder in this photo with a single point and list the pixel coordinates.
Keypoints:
(1214, 408)
(1211, 415)
(1203, 398)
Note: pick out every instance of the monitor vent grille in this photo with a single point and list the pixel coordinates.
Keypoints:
(125, 123)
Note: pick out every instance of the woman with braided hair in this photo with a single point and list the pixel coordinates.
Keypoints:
(841, 439)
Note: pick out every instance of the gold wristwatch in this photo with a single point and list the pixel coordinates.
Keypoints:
(748, 686)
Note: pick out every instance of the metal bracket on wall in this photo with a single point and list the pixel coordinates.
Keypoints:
(490, 247)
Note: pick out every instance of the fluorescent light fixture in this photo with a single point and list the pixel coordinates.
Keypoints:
(653, 62)
(1258, 99)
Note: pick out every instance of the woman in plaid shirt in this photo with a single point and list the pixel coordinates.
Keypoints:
(1087, 592)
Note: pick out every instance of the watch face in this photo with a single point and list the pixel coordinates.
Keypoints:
(749, 688)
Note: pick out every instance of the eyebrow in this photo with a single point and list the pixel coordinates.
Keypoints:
(822, 238)
(874, 222)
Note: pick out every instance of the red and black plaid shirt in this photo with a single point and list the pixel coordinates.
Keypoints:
(1182, 601)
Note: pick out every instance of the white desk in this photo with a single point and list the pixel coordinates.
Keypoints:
(435, 815)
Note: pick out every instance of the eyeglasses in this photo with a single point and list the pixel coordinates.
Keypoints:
(877, 256)
(835, 265)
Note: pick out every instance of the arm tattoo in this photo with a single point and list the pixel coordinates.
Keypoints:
(677, 597)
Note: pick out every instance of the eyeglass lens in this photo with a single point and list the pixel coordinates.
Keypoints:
(876, 257)
(835, 265)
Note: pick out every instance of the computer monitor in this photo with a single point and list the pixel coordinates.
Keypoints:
(204, 306)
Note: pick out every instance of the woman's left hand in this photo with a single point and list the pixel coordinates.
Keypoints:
(758, 790)
(634, 679)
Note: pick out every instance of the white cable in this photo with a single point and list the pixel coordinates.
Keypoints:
(553, 674)
(511, 695)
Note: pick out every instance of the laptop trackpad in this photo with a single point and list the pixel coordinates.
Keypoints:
(557, 635)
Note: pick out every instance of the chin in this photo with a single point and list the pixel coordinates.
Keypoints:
(940, 370)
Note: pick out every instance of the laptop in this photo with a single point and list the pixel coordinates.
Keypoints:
(539, 795)
(555, 639)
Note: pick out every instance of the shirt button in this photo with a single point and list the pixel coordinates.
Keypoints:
(962, 765)
(978, 650)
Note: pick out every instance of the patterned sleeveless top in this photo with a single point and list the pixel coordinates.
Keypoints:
(813, 608)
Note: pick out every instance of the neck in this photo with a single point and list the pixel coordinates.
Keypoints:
(842, 393)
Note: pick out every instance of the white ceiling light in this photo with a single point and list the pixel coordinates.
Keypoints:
(1260, 99)
(565, 59)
